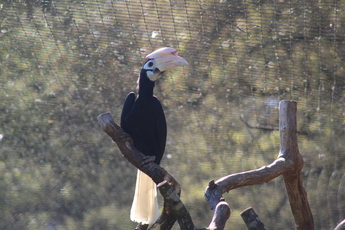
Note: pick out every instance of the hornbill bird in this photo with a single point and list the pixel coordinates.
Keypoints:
(144, 120)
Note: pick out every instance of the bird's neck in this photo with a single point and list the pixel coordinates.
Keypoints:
(145, 85)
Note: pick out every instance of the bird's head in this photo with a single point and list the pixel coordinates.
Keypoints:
(160, 61)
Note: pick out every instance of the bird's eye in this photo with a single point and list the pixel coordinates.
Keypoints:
(150, 64)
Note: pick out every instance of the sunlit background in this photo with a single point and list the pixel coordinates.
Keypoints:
(62, 63)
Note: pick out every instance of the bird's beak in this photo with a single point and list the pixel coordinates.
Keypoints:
(166, 58)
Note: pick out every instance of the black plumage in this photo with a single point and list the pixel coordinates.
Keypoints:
(144, 120)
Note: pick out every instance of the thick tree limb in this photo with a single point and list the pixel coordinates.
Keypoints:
(217, 203)
(168, 186)
(221, 215)
(288, 164)
(293, 177)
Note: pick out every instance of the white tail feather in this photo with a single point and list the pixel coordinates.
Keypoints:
(145, 204)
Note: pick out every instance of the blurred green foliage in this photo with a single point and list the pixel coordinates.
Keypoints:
(62, 63)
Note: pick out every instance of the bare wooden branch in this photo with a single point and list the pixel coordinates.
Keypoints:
(220, 216)
(256, 176)
(252, 220)
(213, 194)
(173, 205)
(293, 178)
(289, 164)
(168, 186)
(217, 203)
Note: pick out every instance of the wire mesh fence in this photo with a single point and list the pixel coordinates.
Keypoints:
(62, 63)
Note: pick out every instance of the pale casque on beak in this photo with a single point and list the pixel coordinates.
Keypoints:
(166, 58)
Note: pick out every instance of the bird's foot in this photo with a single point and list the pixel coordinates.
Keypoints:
(126, 137)
(148, 159)
(142, 227)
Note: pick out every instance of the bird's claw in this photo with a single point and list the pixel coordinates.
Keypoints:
(126, 137)
(142, 227)
(148, 159)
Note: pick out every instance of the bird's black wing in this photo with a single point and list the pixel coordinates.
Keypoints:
(160, 128)
(127, 107)
(144, 120)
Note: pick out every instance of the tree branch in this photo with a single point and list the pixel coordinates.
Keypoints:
(252, 220)
(168, 186)
(288, 164)
(293, 178)
(220, 216)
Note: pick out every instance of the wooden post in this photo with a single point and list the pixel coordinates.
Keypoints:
(293, 177)
(252, 220)
(220, 216)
